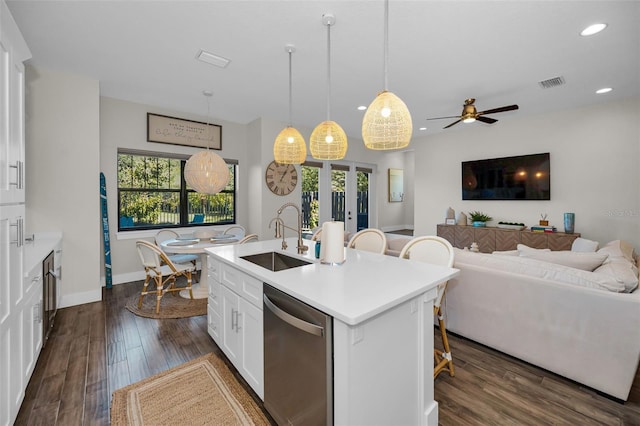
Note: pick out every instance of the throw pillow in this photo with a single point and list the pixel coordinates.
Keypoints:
(584, 261)
(583, 245)
(523, 248)
(619, 248)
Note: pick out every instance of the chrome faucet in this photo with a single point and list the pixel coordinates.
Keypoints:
(301, 247)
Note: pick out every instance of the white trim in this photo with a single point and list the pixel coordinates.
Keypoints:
(125, 278)
(150, 233)
(74, 299)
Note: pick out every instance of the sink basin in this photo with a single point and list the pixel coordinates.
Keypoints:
(275, 261)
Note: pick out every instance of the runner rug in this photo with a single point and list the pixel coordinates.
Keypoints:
(200, 392)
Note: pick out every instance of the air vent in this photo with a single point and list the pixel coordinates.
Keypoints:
(552, 82)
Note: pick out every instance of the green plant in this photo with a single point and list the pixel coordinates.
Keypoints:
(479, 217)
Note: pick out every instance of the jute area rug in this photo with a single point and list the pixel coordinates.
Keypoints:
(171, 306)
(199, 392)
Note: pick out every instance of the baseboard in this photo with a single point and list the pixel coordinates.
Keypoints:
(74, 299)
(395, 228)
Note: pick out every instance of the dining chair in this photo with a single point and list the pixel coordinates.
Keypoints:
(159, 268)
(437, 251)
(369, 239)
(167, 234)
(249, 238)
(237, 230)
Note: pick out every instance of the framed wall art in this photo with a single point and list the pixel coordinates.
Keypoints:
(178, 131)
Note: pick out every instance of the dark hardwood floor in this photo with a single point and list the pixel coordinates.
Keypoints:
(99, 347)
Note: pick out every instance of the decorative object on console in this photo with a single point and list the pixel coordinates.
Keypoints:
(451, 217)
(543, 220)
(511, 225)
(474, 247)
(462, 219)
(569, 222)
(479, 219)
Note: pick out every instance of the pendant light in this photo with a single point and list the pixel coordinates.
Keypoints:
(387, 122)
(289, 147)
(328, 141)
(206, 172)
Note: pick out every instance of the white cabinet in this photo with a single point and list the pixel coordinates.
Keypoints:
(13, 52)
(235, 320)
(32, 333)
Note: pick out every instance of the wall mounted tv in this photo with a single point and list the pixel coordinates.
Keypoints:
(525, 177)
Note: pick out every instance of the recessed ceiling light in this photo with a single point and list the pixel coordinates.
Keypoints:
(423, 128)
(212, 59)
(362, 108)
(593, 29)
(604, 90)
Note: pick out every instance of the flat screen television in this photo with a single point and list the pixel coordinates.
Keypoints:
(525, 177)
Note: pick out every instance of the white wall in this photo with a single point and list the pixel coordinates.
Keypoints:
(62, 174)
(595, 169)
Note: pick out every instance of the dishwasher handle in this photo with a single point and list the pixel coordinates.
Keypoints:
(296, 322)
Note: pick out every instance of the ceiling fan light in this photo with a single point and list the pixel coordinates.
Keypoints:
(328, 141)
(387, 123)
(469, 120)
(289, 147)
(206, 172)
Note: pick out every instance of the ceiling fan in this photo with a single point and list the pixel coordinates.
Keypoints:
(470, 114)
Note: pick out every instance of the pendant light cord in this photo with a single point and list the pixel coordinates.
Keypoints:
(290, 91)
(329, 72)
(386, 43)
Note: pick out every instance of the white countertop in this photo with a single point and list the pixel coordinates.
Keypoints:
(364, 286)
(35, 251)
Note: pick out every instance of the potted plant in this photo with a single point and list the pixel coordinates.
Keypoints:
(479, 219)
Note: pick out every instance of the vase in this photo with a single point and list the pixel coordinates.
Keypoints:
(569, 222)
(479, 223)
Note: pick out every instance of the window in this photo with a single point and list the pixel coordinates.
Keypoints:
(152, 193)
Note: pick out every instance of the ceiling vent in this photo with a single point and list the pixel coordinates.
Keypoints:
(552, 82)
(212, 59)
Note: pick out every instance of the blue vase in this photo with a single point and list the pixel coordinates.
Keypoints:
(569, 222)
(479, 223)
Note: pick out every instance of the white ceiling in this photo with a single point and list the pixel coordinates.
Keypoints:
(440, 53)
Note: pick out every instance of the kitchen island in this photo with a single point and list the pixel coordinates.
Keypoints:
(382, 325)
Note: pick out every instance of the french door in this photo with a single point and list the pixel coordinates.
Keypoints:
(340, 191)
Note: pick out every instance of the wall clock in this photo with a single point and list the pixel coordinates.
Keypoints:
(281, 179)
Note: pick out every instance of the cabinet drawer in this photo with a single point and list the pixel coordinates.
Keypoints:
(214, 295)
(213, 323)
(244, 285)
(213, 266)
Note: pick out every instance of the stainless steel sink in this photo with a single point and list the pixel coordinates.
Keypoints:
(275, 261)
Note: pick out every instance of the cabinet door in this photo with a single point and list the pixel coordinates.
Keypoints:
(11, 126)
(252, 350)
(229, 318)
(32, 331)
(213, 324)
(12, 259)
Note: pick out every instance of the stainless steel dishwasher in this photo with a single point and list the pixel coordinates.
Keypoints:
(298, 361)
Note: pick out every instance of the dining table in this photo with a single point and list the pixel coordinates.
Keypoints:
(188, 244)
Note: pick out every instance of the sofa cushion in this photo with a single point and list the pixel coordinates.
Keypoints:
(523, 248)
(540, 269)
(622, 271)
(583, 245)
(584, 261)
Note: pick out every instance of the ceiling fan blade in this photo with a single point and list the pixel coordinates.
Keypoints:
(487, 120)
(440, 118)
(501, 109)
(455, 122)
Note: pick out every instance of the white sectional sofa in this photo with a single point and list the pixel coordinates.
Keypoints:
(579, 324)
